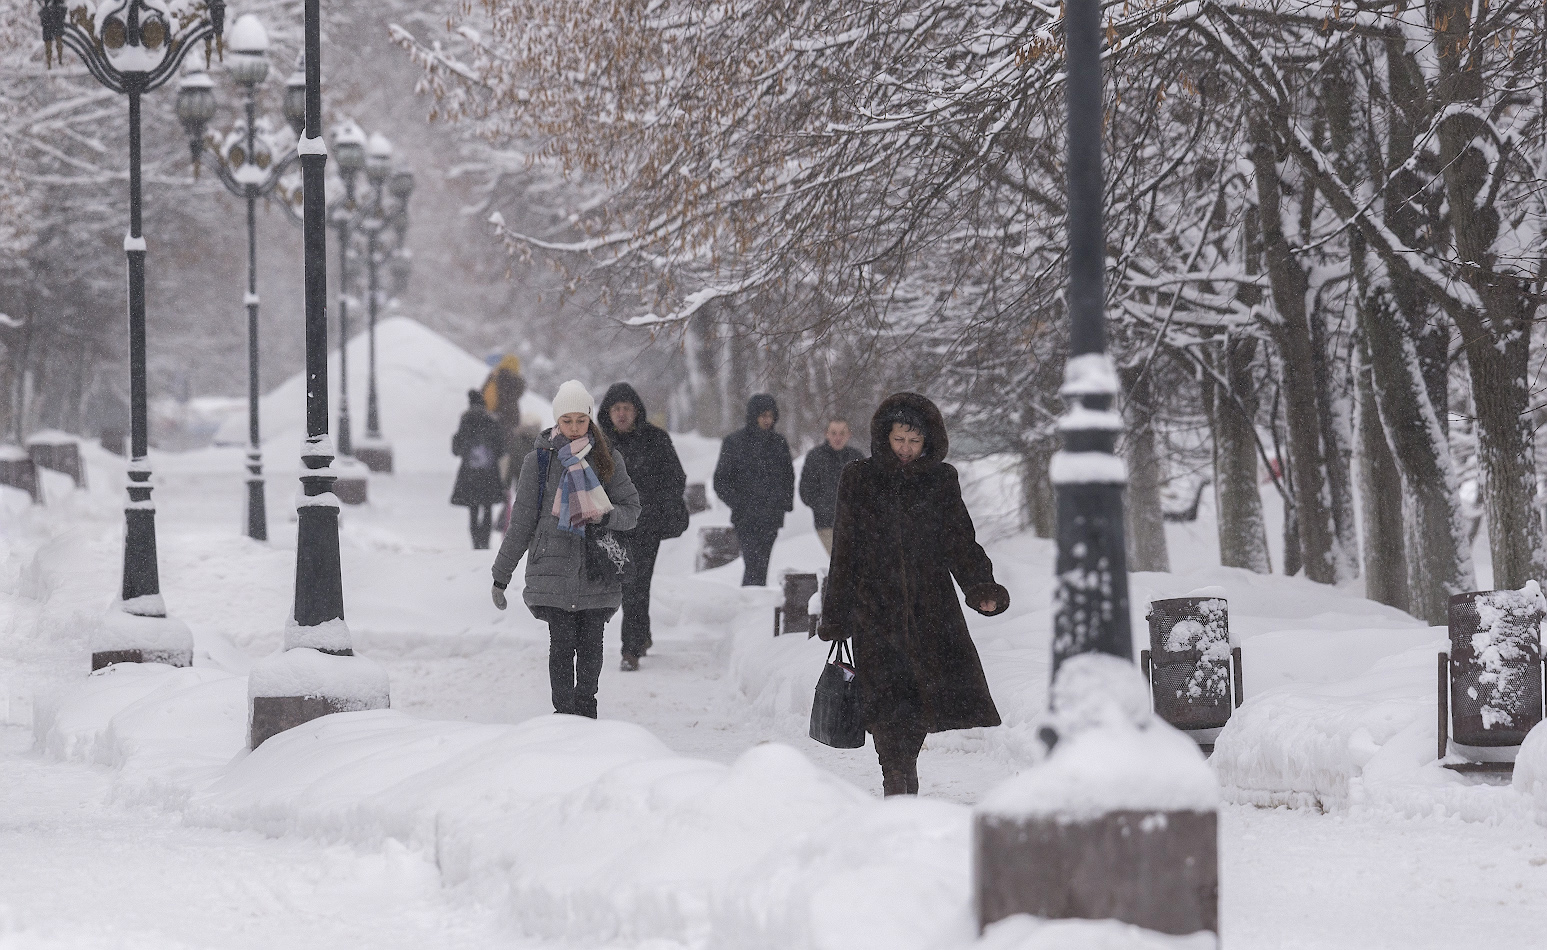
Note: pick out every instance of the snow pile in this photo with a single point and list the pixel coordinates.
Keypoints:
(422, 383)
(579, 828)
(1112, 753)
(353, 682)
(1023, 932)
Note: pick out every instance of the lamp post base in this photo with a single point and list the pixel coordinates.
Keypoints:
(298, 685)
(375, 453)
(353, 482)
(127, 637)
(1154, 869)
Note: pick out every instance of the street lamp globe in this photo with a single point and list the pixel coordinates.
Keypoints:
(401, 185)
(195, 107)
(295, 101)
(349, 147)
(378, 158)
(249, 43)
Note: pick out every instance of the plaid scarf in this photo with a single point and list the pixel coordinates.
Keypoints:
(580, 498)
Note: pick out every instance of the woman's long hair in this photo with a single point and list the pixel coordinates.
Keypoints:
(601, 453)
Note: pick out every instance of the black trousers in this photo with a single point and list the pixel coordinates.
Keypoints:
(575, 658)
(897, 747)
(636, 596)
(480, 521)
(757, 543)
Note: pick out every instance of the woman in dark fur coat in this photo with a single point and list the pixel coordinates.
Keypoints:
(902, 534)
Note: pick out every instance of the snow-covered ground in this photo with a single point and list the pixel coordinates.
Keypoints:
(695, 813)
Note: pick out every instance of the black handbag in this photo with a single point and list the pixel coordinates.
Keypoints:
(607, 555)
(835, 714)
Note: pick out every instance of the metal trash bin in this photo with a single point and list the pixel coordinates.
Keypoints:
(1491, 681)
(1194, 673)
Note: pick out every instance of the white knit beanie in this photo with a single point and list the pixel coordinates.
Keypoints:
(572, 397)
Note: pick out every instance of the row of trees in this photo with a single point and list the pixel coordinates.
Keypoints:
(1325, 227)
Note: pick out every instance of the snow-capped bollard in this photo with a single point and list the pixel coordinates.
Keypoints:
(1120, 821)
(375, 454)
(139, 631)
(301, 684)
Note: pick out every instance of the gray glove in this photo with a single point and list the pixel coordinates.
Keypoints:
(499, 598)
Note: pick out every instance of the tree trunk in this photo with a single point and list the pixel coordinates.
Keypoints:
(1243, 537)
(1146, 519)
(1291, 334)
(1380, 489)
(1439, 561)
(1345, 553)
(1037, 487)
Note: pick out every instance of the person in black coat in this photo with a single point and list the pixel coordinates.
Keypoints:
(657, 473)
(755, 477)
(819, 478)
(479, 442)
(901, 536)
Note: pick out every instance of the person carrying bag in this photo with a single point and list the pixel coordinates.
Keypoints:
(572, 493)
(901, 536)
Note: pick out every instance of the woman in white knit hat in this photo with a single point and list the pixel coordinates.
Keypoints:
(572, 486)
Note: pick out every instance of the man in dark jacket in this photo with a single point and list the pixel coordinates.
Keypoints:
(755, 476)
(819, 478)
(657, 473)
(479, 442)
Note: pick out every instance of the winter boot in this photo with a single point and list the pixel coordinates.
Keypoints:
(630, 663)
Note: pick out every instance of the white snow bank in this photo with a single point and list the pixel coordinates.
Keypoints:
(586, 830)
(1024, 932)
(355, 682)
(422, 383)
(1366, 743)
(121, 630)
(1112, 754)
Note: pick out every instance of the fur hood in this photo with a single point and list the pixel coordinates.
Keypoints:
(936, 443)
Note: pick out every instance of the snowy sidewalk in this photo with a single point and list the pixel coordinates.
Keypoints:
(77, 871)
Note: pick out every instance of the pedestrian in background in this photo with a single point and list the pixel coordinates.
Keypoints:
(657, 473)
(479, 443)
(755, 477)
(819, 478)
(570, 483)
(901, 535)
(502, 392)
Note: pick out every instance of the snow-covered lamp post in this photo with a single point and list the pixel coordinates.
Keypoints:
(317, 672)
(1120, 820)
(133, 47)
(244, 162)
(349, 148)
(378, 217)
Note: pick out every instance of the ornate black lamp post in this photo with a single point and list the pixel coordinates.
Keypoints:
(133, 47)
(349, 149)
(387, 211)
(317, 673)
(1144, 850)
(245, 163)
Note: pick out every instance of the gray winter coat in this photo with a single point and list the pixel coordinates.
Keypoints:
(555, 572)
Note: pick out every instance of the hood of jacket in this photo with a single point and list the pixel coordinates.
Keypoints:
(936, 443)
(759, 404)
(620, 392)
